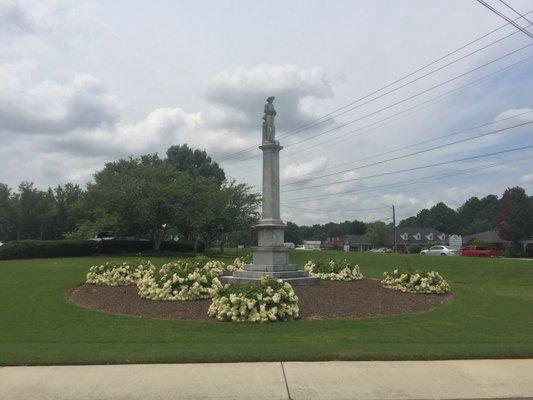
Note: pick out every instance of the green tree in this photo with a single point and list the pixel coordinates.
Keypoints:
(6, 223)
(215, 211)
(515, 221)
(141, 197)
(357, 228)
(292, 233)
(442, 218)
(68, 198)
(411, 221)
(33, 211)
(195, 163)
(478, 215)
(378, 233)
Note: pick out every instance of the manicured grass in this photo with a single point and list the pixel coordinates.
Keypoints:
(491, 317)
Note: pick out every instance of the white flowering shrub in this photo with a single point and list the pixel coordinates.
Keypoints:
(266, 301)
(238, 264)
(334, 270)
(417, 282)
(188, 279)
(118, 273)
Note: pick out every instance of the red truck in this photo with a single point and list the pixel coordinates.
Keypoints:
(479, 251)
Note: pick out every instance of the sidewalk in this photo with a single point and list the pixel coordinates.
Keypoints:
(462, 379)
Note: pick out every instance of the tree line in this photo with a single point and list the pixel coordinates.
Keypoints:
(185, 194)
(511, 215)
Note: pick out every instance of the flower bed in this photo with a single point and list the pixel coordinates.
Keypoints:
(334, 270)
(182, 280)
(417, 282)
(238, 264)
(118, 274)
(267, 301)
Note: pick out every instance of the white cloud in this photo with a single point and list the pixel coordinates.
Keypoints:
(528, 178)
(305, 168)
(523, 115)
(49, 107)
(245, 90)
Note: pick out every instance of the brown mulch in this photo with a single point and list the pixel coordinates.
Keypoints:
(328, 299)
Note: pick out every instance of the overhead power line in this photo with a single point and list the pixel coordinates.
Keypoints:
(417, 144)
(505, 17)
(408, 169)
(321, 119)
(414, 95)
(339, 210)
(411, 154)
(402, 100)
(408, 111)
(435, 177)
(401, 114)
(517, 12)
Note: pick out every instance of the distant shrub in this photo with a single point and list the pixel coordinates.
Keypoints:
(414, 249)
(480, 242)
(79, 248)
(47, 248)
(513, 250)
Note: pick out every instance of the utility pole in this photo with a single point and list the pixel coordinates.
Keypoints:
(394, 228)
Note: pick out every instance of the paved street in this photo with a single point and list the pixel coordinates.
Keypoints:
(466, 379)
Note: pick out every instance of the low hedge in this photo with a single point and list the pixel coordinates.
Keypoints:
(414, 249)
(79, 248)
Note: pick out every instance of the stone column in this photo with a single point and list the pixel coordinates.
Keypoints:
(270, 256)
(271, 182)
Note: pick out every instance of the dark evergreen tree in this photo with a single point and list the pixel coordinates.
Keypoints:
(515, 221)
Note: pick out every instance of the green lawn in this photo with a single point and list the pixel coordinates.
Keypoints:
(491, 317)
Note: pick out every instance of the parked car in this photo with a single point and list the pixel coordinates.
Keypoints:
(103, 235)
(302, 247)
(381, 250)
(480, 251)
(440, 250)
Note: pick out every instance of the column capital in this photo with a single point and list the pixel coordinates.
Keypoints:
(271, 147)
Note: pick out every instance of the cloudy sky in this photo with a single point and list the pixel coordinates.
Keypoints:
(82, 83)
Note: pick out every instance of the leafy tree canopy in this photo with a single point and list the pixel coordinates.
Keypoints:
(195, 163)
(378, 233)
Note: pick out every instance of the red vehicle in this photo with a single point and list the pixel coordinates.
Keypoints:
(480, 251)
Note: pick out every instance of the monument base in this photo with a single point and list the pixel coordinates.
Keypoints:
(270, 258)
(291, 275)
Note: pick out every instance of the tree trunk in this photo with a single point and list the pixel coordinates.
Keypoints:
(157, 239)
(195, 248)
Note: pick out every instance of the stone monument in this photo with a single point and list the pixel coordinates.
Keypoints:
(270, 256)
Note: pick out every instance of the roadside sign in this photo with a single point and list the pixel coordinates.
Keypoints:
(456, 241)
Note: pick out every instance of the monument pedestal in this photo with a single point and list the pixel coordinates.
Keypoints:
(270, 256)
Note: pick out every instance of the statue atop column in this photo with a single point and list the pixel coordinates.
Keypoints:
(269, 129)
(270, 256)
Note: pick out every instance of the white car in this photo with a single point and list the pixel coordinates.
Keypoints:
(440, 250)
(302, 247)
(381, 250)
